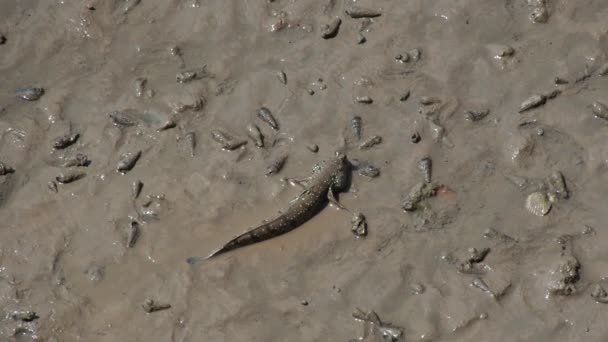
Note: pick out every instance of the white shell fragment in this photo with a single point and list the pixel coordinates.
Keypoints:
(538, 204)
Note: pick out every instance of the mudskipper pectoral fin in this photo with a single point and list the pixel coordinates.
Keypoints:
(300, 195)
(332, 199)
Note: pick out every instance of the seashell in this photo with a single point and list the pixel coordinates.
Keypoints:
(557, 185)
(538, 204)
(533, 102)
(425, 166)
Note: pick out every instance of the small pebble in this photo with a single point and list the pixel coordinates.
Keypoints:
(372, 141)
(369, 171)
(364, 99)
(65, 141)
(358, 225)
(403, 58)
(78, 160)
(170, 123)
(539, 15)
(127, 161)
(405, 96)
(312, 148)
(5, 169)
(427, 100)
(121, 118)
(356, 12)
(282, 76)
(476, 115)
(52, 186)
(25, 316)
(133, 234)
(540, 132)
(190, 139)
(69, 176)
(532, 102)
(415, 54)
(150, 306)
(304, 302)
(330, 30)
(136, 188)
(600, 110)
(417, 288)
(29, 94)
(139, 86)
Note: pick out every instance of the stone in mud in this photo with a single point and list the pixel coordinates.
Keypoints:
(356, 125)
(539, 14)
(191, 75)
(314, 148)
(226, 141)
(533, 101)
(563, 276)
(77, 161)
(369, 170)
(356, 12)
(519, 148)
(600, 110)
(139, 86)
(358, 225)
(69, 176)
(476, 115)
(254, 133)
(376, 330)
(5, 169)
(330, 30)
(557, 185)
(127, 161)
(364, 99)
(282, 76)
(276, 164)
(425, 167)
(24, 316)
(29, 94)
(265, 115)
(52, 185)
(65, 141)
(151, 306)
(136, 188)
(189, 140)
(370, 142)
(599, 294)
(122, 118)
(429, 100)
(133, 233)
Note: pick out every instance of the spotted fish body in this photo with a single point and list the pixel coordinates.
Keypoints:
(328, 176)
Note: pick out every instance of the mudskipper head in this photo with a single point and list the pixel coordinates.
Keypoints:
(341, 171)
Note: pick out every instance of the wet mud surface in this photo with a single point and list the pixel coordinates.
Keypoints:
(137, 134)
